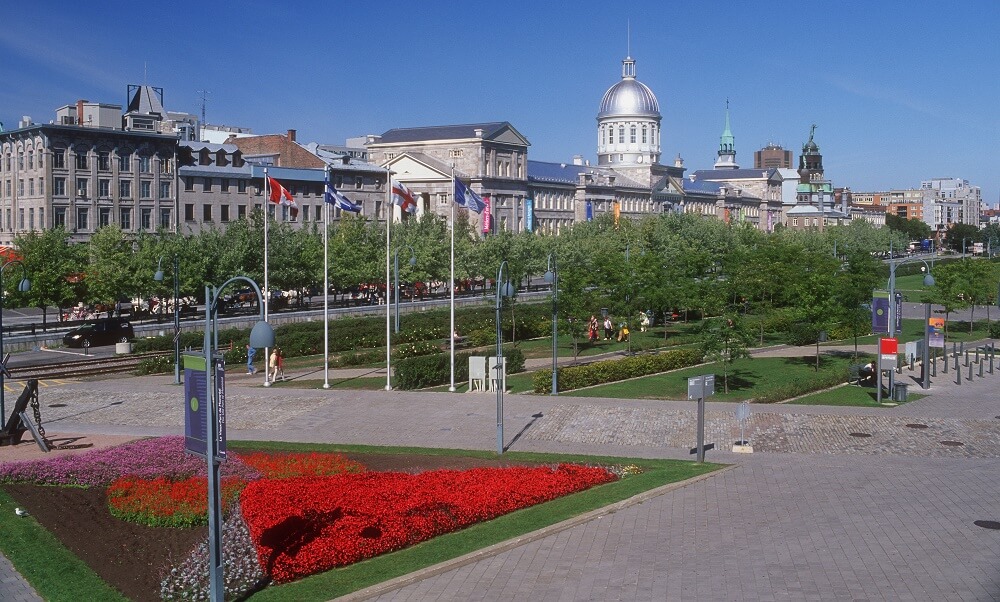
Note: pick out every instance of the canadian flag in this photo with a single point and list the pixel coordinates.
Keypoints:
(404, 197)
(280, 196)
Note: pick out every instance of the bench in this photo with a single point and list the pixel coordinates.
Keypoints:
(461, 342)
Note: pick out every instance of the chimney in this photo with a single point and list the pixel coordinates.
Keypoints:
(479, 132)
(577, 159)
(25, 121)
(291, 135)
(79, 112)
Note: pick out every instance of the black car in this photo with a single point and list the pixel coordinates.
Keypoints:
(100, 332)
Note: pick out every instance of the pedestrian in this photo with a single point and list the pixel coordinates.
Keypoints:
(592, 328)
(607, 328)
(281, 364)
(251, 352)
(272, 366)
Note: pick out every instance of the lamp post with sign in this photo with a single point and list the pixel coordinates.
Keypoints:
(700, 387)
(504, 289)
(158, 277)
(23, 286)
(552, 277)
(894, 316)
(262, 335)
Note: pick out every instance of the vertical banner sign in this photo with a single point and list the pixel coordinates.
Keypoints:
(487, 215)
(936, 329)
(220, 396)
(888, 354)
(618, 212)
(898, 314)
(529, 215)
(590, 211)
(880, 311)
(195, 405)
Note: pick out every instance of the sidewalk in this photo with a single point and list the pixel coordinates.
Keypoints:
(816, 512)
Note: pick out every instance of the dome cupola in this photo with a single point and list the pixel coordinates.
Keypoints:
(628, 123)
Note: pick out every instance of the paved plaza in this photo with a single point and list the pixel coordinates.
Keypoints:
(835, 503)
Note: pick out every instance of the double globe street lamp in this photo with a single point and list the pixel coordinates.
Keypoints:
(23, 286)
(552, 277)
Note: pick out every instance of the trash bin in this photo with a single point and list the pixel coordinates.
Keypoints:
(899, 392)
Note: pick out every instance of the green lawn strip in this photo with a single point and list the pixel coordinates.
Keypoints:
(365, 383)
(913, 330)
(848, 395)
(54, 572)
(345, 580)
(748, 378)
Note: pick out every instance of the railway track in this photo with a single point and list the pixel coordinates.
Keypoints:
(88, 367)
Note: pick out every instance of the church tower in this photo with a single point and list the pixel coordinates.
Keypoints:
(811, 161)
(727, 147)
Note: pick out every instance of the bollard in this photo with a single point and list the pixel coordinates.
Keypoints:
(991, 360)
(934, 367)
(944, 356)
(966, 357)
(958, 373)
(970, 373)
(977, 355)
(981, 369)
(956, 362)
(961, 347)
(912, 360)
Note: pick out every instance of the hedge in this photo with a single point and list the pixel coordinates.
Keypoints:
(598, 373)
(432, 370)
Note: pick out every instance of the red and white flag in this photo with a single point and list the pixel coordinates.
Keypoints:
(404, 197)
(281, 196)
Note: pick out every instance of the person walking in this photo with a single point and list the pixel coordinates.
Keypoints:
(251, 353)
(272, 366)
(607, 328)
(592, 328)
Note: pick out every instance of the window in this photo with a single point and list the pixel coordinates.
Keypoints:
(206, 213)
(145, 189)
(58, 159)
(104, 161)
(189, 212)
(338, 182)
(104, 188)
(144, 164)
(621, 134)
(455, 153)
(631, 138)
(31, 160)
(225, 184)
(125, 189)
(20, 188)
(189, 184)
(10, 225)
(20, 219)
(164, 190)
(82, 218)
(59, 217)
(126, 218)
(20, 160)
(31, 187)
(103, 217)
(41, 187)
(241, 211)
(795, 221)
(82, 186)
(164, 218)
(81, 160)
(319, 209)
(58, 187)
(241, 186)
(125, 162)
(644, 134)
(146, 219)
(358, 182)
(206, 184)
(224, 217)
(166, 166)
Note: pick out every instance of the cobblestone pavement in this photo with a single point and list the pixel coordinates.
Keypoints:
(814, 513)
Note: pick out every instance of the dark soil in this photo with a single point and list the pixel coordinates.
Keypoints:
(134, 558)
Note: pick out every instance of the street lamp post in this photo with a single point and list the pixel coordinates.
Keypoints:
(928, 281)
(504, 289)
(395, 265)
(158, 277)
(964, 238)
(262, 335)
(552, 277)
(23, 286)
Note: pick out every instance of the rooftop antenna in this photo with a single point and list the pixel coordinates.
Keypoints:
(145, 75)
(204, 101)
(628, 37)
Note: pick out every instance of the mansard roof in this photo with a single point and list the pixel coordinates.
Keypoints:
(491, 131)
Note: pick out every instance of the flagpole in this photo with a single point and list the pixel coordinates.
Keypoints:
(267, 290)
(388, 334)
(451, 333)
(326, 284)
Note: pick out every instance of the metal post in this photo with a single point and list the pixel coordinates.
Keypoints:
(966, 357)
(555, 327)
(992, 353)
(395, 288)
(499, 367)
(958, 372)
(701, 422)
(177, 322)
(925, 368)
(981, 369)
(970, 373)
(215, 579)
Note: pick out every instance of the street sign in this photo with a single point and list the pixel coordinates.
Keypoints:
(936, 328)
(880, 311)
(888, 350)
(196, 404)
(699, 386)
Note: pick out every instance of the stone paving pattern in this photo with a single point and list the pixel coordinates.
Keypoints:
(813, 514)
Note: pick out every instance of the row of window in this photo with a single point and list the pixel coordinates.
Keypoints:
(27, 160)
(608, 133)
(26, 219)
(226, 185)
(104, 188)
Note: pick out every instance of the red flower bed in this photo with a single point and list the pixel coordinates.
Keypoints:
(161, 502)
(312, 524)
(286, 465)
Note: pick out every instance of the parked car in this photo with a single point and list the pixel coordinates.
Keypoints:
(100, 332)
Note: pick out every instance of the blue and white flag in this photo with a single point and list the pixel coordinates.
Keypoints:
(465, 197)
(333, 196)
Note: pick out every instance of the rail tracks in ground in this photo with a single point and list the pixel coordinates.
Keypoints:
(88, 367)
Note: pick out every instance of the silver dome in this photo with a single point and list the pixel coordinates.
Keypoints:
(629, 97)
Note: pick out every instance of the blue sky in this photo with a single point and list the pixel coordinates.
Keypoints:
(899, 91)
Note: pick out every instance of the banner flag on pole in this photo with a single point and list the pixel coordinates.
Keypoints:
(332, 195)
(465, 197)
(529, 215)
(487, 216)
(281, 196)
(404, 197)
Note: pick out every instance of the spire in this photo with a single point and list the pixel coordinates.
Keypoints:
(727, 146)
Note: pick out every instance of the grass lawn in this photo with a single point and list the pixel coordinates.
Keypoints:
(365, 383)
(847, 395)
(748, 378)
(913, 330)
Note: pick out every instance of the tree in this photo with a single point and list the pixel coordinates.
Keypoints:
(111, 268)
(961, 233)
(725, 339)
(913, 228)
(48, 260)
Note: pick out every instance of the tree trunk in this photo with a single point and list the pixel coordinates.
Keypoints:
(972, 318)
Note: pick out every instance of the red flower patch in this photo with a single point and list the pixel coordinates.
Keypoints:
(161, 502)
(307, 525)
(287, 465)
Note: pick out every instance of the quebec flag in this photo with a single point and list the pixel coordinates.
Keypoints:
(465, 197)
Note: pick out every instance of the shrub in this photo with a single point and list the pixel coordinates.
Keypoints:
(155, 365)
(416, 349)
(575, 377)
(995, 330)
(430, 370)
(802, 334)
